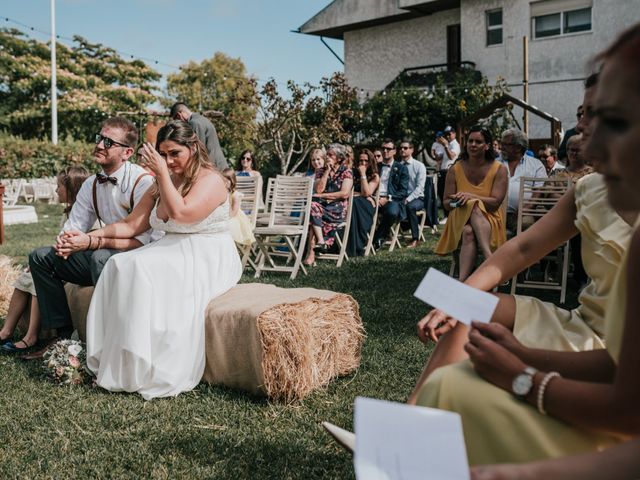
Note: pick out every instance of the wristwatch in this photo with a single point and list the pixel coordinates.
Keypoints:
(523, 383)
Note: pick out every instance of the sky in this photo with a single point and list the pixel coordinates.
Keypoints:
(174, 32)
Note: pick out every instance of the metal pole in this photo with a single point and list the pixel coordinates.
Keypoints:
(525, 81)
(54, 90)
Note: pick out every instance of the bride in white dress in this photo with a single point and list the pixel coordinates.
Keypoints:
(145, 326)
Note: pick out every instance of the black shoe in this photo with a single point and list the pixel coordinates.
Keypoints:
(321, 248)
(377, 244)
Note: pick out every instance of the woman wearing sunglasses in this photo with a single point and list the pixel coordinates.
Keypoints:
(246, 166)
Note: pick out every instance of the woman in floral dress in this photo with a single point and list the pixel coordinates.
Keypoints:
(329, 208)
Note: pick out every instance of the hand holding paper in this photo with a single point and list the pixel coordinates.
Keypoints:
(458, 300)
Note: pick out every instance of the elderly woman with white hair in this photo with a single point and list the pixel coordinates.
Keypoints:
(329, 209)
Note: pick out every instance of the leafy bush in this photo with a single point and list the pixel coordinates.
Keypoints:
(22, 158)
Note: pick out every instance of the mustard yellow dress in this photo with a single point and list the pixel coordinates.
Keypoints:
(458, 217)
(605, 239)
(498, 428)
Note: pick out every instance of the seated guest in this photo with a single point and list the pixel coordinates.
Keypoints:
(349, 161)
(317, 162)
(107, 197)
(570, 390)
(329, 208)
(576, 166)
(415, 198)
(451, 152)
(365, 184)
(476, 186)
(69, 182)
(377, 154)
(549, 158)
(514, 144)
(247, 165)
(562, 149)
(394, 185)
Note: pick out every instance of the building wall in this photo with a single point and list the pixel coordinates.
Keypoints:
(375, 56)
(562, 59)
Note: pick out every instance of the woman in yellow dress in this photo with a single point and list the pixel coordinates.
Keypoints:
(576, 401)
(475, 188)
(605, 234)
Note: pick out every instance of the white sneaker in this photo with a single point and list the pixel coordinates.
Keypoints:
(443, 221)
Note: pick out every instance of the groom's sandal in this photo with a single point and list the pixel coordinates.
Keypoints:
(345, 438)
(38, 354)
(19, 347)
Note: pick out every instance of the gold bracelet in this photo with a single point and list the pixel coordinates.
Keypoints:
(541, 389)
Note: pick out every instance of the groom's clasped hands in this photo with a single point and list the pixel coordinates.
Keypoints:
(72, 241)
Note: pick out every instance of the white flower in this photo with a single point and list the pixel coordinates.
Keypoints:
(74, 350)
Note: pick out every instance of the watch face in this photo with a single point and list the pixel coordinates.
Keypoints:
(522, 384)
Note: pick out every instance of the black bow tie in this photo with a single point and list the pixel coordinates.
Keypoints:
(385, 165)
(102, 178)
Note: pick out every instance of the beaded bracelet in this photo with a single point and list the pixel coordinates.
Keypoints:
(541, 389)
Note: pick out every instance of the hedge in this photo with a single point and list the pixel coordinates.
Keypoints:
(21, 158)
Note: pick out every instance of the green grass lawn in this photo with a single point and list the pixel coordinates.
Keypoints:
(50, 431)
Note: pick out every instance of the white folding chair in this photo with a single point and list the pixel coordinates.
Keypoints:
(287, 228)
(536, 197)
(263, 217)
(12, 190)
(341, 240)
(251, 189)
(42, 190)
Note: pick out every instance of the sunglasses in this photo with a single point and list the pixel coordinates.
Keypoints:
(404, 147)
(388, 149)
(108, 142)
(246, 158)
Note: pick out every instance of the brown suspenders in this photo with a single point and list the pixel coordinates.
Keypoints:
(131, 199)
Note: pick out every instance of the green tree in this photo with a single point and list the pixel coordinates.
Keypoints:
(407, 111)
(93, 82)
(220, 83)
(290, 126)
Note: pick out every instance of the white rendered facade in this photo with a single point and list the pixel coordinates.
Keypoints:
(378, 46)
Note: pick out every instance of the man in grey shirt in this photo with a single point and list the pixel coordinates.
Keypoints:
(205, 130)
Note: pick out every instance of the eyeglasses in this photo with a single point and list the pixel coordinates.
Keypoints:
(108, 142)
(405, 147)
(246, 158)
(388, 149)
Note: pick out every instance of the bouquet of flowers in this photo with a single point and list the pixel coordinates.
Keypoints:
(65, 362)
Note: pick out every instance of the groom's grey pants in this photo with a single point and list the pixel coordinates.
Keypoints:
(49, 273)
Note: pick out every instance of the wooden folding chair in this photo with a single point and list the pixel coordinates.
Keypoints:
(369, 248)
(251, 189)
(287, 228)
(537, 196)
(341, 240)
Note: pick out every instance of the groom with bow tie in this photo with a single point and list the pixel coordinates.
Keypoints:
(106, 198)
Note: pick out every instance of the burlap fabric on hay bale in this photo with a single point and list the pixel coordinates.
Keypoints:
(282, 343)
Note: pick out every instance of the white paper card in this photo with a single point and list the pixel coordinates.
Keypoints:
(404, 442)
(460, 301)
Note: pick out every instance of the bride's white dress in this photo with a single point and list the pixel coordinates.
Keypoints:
(145, 326)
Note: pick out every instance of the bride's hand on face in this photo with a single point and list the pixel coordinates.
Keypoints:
(153, 160)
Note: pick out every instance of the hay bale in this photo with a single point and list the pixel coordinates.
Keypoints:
(282, 343)
(79, 299)
(8, 275)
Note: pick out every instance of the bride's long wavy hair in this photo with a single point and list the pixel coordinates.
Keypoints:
(181, 133)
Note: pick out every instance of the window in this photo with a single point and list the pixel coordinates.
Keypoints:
(550, 19)
(494, 27)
